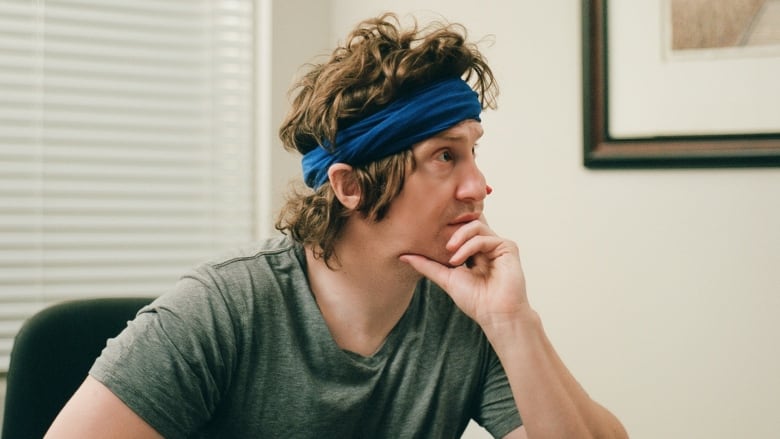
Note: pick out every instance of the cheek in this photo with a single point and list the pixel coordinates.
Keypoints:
(417, 218)
(424, 202)
(425, 208)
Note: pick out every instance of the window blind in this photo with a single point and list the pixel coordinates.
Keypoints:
(126, 146)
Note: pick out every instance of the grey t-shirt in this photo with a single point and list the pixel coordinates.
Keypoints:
(240, 349)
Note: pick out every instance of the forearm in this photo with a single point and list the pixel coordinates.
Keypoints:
(550, 400)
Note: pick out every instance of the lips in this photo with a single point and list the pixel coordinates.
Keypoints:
(465, 218)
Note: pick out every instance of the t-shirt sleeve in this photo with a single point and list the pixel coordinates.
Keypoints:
(497, 411)
(174, 360)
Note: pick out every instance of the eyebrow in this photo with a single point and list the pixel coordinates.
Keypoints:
(453, 137)
(450, 137)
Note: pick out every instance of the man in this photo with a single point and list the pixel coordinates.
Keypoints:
(389, 308)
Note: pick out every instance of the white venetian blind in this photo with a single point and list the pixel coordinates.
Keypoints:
(126, 146)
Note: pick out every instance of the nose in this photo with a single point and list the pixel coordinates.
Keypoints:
(473, 186)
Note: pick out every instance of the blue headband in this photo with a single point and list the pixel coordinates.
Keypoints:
(406, 121)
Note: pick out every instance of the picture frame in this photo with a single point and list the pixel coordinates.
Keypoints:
(603, 149)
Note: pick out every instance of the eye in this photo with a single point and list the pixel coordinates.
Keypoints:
(445, 156)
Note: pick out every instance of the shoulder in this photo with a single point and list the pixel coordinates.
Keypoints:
(253, 263)
(275, 249)
(237, 280)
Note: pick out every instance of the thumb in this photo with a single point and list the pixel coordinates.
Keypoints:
(429, 268)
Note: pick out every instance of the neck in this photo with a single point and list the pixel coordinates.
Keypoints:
(363, 297)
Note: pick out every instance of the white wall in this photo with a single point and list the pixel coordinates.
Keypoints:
(659, 288)
(299, 32)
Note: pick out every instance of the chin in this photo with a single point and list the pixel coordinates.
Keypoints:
(434, 250)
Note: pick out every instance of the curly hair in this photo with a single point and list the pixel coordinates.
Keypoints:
(379, 62)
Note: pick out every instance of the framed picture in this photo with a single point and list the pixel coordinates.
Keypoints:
(651, 98)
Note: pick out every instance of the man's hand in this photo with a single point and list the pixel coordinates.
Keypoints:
(485, 278)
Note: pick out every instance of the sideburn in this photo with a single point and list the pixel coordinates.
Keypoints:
(380, 183)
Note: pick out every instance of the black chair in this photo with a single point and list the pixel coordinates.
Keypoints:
(51, 356)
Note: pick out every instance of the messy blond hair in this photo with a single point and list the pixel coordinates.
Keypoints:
(379, 62)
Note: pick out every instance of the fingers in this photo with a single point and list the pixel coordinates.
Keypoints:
(474, 237)
(476, 245)
(471, 244)
(468, 231)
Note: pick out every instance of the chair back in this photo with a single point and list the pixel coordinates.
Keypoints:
(51, 356)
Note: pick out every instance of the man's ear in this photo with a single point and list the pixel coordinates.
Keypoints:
(344, 185)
